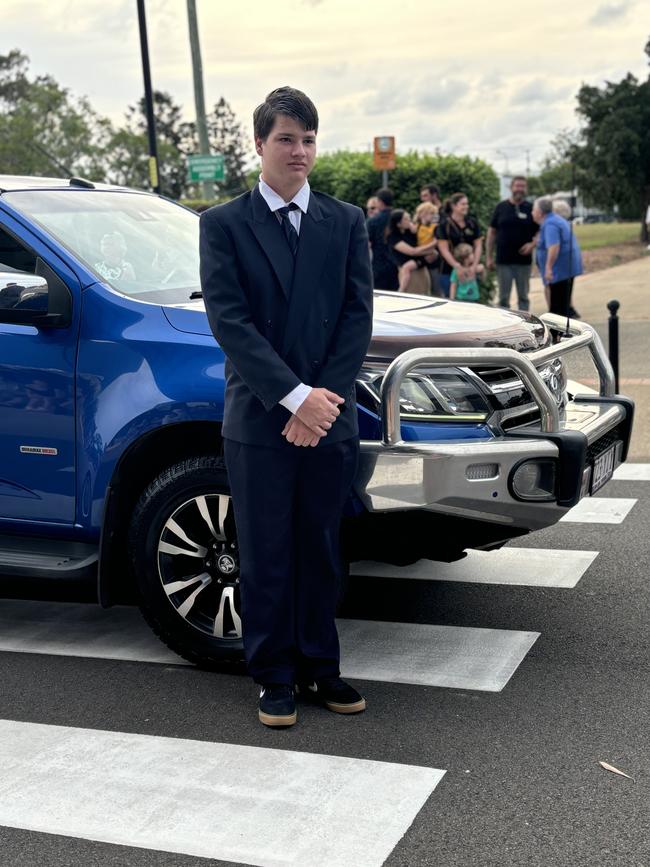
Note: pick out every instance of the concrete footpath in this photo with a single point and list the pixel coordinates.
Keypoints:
(630, 285)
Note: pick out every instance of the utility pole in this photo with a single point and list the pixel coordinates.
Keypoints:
(199, 97)
(148, 100)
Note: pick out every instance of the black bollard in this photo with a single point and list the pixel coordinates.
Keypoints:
(613, 338)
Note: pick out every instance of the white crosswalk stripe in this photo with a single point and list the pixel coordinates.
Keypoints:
(633, 473)
(600, 510)
(450, 656)
(457, 657)
(523, 567)
(252, 805)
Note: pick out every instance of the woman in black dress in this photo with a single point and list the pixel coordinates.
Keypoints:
(456, 228)
(404, 251)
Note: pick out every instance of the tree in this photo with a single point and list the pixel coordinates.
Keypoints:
(43, 129)
(611, 152)
(349, 175)
(128, 148)
(614, 156)
(227, 138)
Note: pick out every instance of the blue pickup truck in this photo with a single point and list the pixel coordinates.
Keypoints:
(111, 403)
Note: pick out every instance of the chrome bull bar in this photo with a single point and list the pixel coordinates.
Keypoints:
(525, 365)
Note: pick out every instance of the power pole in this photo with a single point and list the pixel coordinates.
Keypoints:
(148, 101)
(199, 97)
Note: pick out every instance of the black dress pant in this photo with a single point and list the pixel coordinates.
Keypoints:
(288, 504)
(560, 293)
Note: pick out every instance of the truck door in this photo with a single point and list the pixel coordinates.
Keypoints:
(37, 394)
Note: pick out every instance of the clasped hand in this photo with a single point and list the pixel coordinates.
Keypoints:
(314, 418)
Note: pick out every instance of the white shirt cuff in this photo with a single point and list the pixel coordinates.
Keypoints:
(294, 399)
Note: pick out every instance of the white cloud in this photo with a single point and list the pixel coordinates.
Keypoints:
(538, 90)
(609, 12)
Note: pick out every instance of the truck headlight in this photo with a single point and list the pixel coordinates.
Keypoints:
(432, 395)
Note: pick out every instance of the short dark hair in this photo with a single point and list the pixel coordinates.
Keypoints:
(288, 101)
(519, 178)
(386, 196)
(432, 188)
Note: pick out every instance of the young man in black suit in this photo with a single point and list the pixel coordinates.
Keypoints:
(287, 287)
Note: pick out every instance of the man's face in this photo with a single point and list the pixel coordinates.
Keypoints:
(288, 153)
(519, 190)
(425, 196)
(371, 206)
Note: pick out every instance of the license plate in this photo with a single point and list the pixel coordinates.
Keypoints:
(603, 469)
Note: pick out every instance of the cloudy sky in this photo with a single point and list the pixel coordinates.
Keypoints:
(494, 79)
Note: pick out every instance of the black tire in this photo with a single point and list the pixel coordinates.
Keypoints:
(198, 618)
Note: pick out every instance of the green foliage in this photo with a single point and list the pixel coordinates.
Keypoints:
(614, 153)
(43, 130)
(203, 204)
(349, 175)
(127, 152)
(227, 138)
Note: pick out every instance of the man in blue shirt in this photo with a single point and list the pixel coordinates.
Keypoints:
(558, 256)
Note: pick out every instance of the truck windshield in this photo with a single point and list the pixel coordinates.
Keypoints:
(142, 246)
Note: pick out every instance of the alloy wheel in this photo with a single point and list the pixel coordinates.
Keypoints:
(198, 565)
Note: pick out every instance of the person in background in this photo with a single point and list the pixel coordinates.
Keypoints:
(513, 229)
(384, 270)
(563, 209)
(431, 193)
(371, 206)
(427, 217)
(467, 290)
(458, 227)
(113, 265)
(405, 252)
(559, 258)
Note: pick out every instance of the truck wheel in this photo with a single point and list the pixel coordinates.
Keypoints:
(184, 552)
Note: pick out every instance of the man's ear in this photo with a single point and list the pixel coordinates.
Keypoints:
(258, 146)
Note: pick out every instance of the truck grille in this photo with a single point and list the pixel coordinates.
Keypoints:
(605, 442)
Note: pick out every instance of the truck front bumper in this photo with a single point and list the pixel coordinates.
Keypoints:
(474, 479)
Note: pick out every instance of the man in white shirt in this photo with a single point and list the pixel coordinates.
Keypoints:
(287, 286)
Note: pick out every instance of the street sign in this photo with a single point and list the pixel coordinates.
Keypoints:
(384, 156)
(206, 168)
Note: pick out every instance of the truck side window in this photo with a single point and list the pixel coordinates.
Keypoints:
(14, 255)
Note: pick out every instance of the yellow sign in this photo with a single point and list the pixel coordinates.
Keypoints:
(384, 156)
(153, 172)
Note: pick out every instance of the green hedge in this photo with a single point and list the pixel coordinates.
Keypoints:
(350, 176)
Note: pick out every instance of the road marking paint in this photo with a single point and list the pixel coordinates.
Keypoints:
(632, 473)
(522, 567)
(244, 804)
(457, 657)
(600, 510)
(75, 629)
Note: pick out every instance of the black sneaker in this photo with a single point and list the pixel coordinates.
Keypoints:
(335, 694)
(277, 705)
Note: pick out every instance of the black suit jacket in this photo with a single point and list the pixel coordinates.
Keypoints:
(282, 321)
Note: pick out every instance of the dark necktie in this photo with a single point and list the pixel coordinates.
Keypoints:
(289, 231)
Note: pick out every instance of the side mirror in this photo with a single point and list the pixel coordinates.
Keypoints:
(24, 299)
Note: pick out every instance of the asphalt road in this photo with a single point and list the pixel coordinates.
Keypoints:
(522, 783)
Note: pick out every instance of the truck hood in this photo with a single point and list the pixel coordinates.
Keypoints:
(404, 322)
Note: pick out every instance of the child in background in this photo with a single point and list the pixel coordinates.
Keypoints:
(464, 290)
(427, 218)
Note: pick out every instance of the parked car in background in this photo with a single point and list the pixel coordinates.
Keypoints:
(111, 405)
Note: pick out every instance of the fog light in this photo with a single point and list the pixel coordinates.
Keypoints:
(534, 480)
(479, 472)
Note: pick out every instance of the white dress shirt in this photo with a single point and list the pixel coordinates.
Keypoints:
(294, 399)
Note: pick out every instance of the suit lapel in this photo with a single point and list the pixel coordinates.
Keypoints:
(314, 238)
(270, 237)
